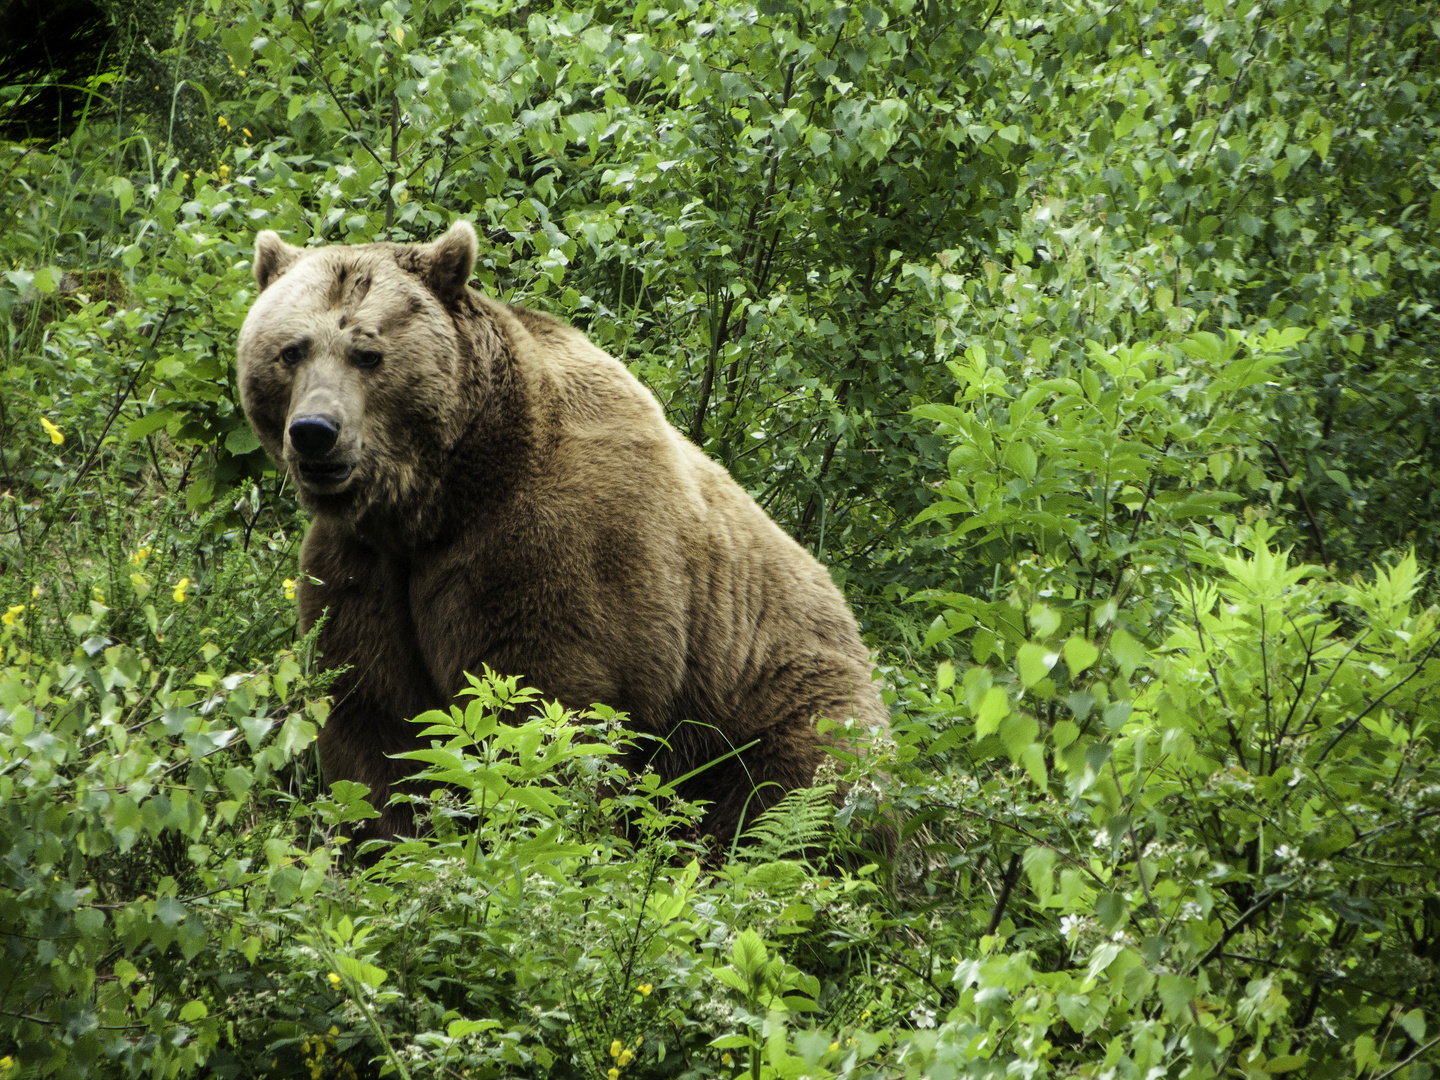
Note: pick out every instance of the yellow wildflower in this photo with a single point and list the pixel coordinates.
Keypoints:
(315, 1071)
(334, 1032)
(613, 1074)
(56, 435)
(247, 132)
(6, 1063)
(224, 173)
(35, 593)
(334, 980)
(615, 1048)
(223, 123)
(289, 588)
(625, 1058)
(180, 587)
(726, 1059)
(9, 617)
(834, 1046)
(140, 556)
(645, 989)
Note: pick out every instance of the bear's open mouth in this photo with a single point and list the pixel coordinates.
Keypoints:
(325, 474)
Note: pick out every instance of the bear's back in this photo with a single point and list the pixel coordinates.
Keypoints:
(754, 598)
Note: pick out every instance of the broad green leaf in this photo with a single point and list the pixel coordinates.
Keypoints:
(1079, 655)
(994, 707)
(1034, 662)
(1039, 863)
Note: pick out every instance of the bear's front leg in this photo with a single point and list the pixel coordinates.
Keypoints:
(363, 595)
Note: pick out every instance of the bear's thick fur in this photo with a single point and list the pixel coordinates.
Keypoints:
(490, 488)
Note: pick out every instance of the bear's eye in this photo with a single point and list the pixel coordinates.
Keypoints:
(365, 358)
(292, 354)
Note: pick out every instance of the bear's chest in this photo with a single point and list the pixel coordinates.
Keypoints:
(509, 605)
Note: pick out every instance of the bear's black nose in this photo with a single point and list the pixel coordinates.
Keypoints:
(314, 436)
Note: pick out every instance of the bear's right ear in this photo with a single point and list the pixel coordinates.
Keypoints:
(272, 258)
(447, 263)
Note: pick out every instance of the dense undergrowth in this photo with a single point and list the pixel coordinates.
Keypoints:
(1092, 347)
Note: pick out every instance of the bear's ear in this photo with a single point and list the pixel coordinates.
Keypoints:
(447, 263)
(272, 258)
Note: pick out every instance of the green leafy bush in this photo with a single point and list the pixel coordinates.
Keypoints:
(1089, 345)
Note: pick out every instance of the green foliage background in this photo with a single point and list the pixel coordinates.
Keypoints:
(1092, 346)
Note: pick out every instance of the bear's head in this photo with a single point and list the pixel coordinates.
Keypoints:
(349, 366)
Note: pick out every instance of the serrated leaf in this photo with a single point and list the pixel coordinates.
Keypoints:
(1176, 993)
(944, 675)
(124, 192)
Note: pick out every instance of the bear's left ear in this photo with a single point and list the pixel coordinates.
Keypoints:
(272, 258)
(448, 261)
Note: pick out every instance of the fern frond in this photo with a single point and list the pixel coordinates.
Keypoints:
(798, 824)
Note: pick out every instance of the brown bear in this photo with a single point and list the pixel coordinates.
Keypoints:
(488, 487)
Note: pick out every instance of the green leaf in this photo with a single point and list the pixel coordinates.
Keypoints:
(1021, 457)
(1032, 759)
(1176, 993)
(1034, 662)
(193, 1010)
(1079, 655)
(1017, 731)
(241, 440)
(124, 192)
(944, 675)
(1128, 652)
(731, 1042)
(733, 979)
(1110, 909)
(749, 953)
(1414, 1024)
(1044, 620)
(148, 424)
(1039, 863)
(368, 974)
(458, 1029)
(1284, 1063)
(994, 707)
